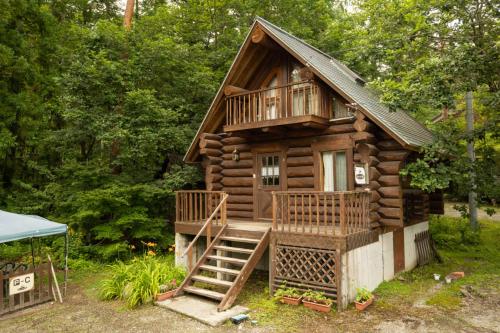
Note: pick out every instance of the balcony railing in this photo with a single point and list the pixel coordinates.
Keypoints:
(305, 98)
(321, 213)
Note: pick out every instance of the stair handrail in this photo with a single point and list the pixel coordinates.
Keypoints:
(222, 204)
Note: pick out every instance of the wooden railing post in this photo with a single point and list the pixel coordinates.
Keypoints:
(177, 212)
(190, 259)
(224, 213)
(342, 213)
(209, 234)
(275, 207)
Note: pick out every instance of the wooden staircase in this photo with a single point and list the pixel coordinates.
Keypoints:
(228, 261)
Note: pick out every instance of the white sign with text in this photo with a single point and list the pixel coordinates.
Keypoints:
(21, 283)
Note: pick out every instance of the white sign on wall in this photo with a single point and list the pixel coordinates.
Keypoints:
(21, 283)
(360, 175)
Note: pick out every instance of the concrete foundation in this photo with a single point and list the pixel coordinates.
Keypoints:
(181, 243)
(370, 265)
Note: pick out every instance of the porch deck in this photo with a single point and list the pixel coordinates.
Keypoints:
(306, 238)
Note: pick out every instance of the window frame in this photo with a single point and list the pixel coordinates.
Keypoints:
(342, 144)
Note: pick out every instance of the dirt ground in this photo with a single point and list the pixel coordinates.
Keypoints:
(82, 312)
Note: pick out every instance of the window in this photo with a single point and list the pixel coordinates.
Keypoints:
(334, 165)
(270, 170)
(272, 99)
(301, 97)
(339, 110)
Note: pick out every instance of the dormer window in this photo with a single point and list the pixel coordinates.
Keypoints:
(339, 109)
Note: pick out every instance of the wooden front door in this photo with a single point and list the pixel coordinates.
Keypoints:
(268, 178)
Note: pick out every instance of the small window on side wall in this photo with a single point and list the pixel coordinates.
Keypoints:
(339, 110)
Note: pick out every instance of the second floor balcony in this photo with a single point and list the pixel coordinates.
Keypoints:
(304, 103)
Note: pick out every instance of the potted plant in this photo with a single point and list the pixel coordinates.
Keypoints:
(317, 301)
(288, 295)
(363, 298)
(167, 291)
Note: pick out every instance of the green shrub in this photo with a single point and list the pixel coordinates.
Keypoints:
(452, 232)
(138, 281)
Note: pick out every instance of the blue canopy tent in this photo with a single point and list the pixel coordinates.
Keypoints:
(18, 226)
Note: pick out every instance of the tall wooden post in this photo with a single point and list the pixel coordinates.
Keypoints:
(469, 117)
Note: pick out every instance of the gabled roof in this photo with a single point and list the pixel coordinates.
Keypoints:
(405, 129)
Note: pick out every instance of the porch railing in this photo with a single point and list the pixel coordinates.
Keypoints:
(198, 205)
(322, 213)
(292, 100)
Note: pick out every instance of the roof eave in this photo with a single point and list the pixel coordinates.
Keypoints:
(188, 157)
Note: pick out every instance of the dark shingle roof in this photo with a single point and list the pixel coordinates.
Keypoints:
(343, 79)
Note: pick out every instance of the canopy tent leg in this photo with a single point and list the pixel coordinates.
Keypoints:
(66, 250)
(32, 253)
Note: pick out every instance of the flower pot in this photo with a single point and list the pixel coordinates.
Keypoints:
(165, 295)
(291, 300)
(317, 306)
(363, 306)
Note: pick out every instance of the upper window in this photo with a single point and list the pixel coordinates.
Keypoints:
(334, 171)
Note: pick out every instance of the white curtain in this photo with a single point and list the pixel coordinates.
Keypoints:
(341, 171)
(328, 171)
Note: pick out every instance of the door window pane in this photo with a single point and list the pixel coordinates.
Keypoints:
(270, 170)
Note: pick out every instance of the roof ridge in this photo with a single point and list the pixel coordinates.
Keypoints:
(339, 63)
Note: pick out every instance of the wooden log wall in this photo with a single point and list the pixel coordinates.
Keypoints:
(210, 149)
(391, 157)
(299, 167)
(383, 155)
(367, 152)
(237, 177)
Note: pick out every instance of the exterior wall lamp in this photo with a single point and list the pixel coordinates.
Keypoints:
(236, 155)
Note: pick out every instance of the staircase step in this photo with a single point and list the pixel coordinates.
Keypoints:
(219, 269)
(209, 280)
(240, 239)
(228, 259)
(204, 292)
(233, 249)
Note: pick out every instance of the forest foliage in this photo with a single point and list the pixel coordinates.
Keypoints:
(95, 119)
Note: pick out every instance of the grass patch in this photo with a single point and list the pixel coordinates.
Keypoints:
(480, 261)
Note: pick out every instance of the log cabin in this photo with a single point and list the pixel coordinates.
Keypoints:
(301, 164)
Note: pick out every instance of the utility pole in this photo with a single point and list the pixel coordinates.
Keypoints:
(129, 13)
(469, 118)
